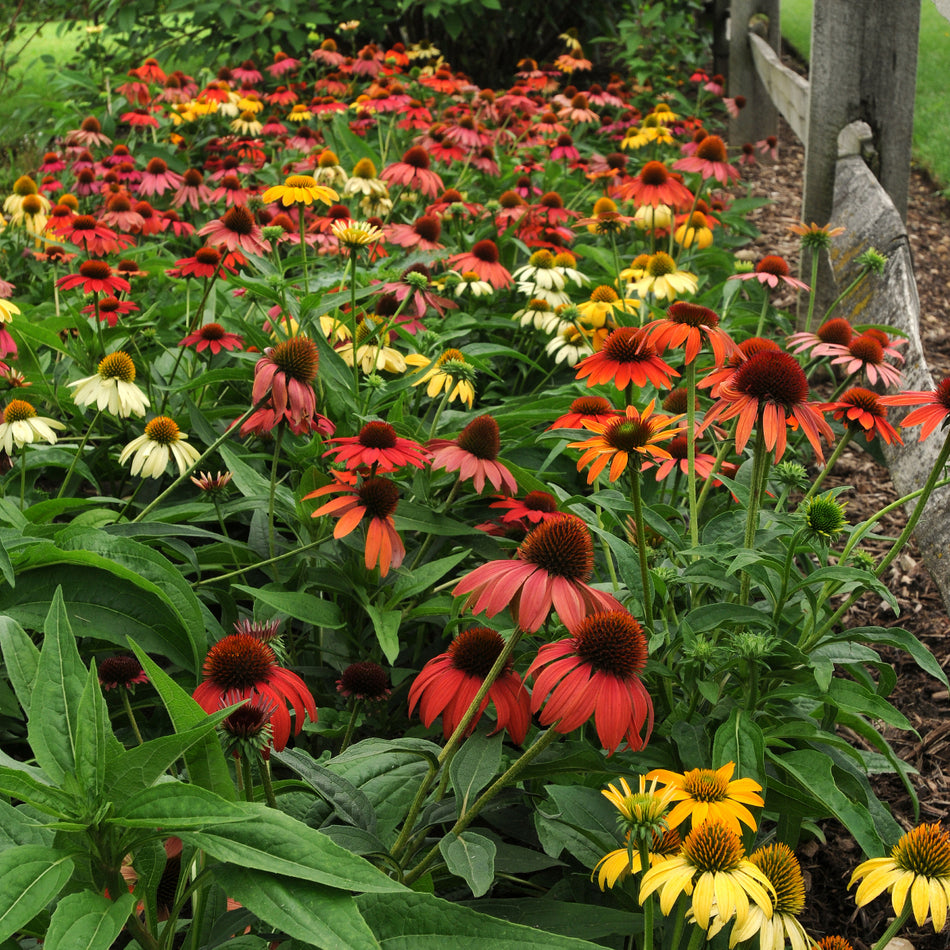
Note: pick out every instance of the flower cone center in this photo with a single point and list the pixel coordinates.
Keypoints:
(475, 651)
(612, 642)
(117, 365)
(239, 661)
(562, 547)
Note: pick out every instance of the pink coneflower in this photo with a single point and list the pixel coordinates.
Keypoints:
(866, 353)
(376, 498)
(835, 333)
(862, 410)
(172, 222)
(420, 298)
(564, 149)
(236, 229)
(94, 277)
(327, 54)
(474, 455)
(158, 178)
(679, 460)
(119, 214)
(283, 375)
(483, 260)
(377, 447)
(282, 64)
(550, 570)
(771, 271)
(212, 336)
(423, 234)
(89, 133)
(711, 161)
(247, 73)
(413, 172)
(447, 684)
(535, 507)
(192, 190)
(596, 673)
(769, 389)
(231, 191)
(627, 356)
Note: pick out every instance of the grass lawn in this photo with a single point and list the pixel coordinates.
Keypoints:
(932, 102)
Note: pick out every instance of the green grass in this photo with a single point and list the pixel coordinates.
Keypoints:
(931, 142)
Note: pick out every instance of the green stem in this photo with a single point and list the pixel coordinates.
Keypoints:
(23, 477)
(351, 725)
(260, 564)
(697, 938)
(212, 448)
(642, 547)
(765, 309)
(648, 904)
(844, 293)
(76, 457)
(248, 778)
(691, 453)
(264, 770)
(895, 925)
(354, 254)
(302, 224)
(505, 779)
(759, 471)
(814, 288)
(273, 491)
(131, 715)
(830, 464)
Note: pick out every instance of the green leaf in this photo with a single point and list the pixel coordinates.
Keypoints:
(347, 801)
(6, 565)
(275, 842)
(853, 697)
(711, 616)
(318, 915)
(300, 606)
(54, 707)
(474, 765)
(413, 921)
(471, 857)
(408, 584)
(740, 740)
(176, 807)
(139, 768)
(903, 640)
(812, 771)
(87, 921)
(21, 782)
(588, 921)
(94, 738)
(249, 482)
(207, 766)
(579, 820)
(17, 827)
(30, 877)
(21, 659)
(386, 623)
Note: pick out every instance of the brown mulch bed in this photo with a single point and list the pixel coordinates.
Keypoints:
(923, 700)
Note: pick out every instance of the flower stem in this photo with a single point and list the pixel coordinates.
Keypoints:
(264, 769)
(830, 464)
(762, 315)
(691, 453)
(814, 288)
(351, 725)
(302, 224)
(76, 457)
(642, 547)
(505, 779)
(895, 925)
(272, 560)
(759, 471)
(130, 714)
(273, 491)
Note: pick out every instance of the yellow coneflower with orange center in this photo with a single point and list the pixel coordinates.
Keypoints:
(300, 189)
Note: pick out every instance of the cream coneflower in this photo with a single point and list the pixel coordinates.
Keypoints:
(112, 387)
(163, 440)
(22, 426)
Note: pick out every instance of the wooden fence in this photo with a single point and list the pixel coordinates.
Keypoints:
(855, 116)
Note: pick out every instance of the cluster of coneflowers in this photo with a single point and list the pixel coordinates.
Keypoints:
(580, 217)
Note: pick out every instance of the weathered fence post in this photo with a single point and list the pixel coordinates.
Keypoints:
(863, 67)
(759, 118)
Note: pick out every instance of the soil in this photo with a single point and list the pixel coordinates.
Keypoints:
(828, 865)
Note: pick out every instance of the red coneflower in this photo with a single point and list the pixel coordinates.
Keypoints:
(626, 357)
(596, 672)
(654, 185)
(365, 681)
(283, 376)
(447, 684)
(88, 234)
(474, 455)
(212, 336)
(207, 262)
(711, 161)
(583, 409)
(550, 569)
(378, 447)
(535, 507)
(117, 671)
(110, 309)
(242, 663)
(423, 233)
(375, 497)
(771, 271)
(934, 407)
(755, 344)
(770, 389)
(631, 433)
(688, 323)
(236, 230)
(482, 259)
(94, 277)
(863, 411)
(413, 172)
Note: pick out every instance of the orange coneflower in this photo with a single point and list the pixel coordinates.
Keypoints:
(934, 407)
(483, 260)
(654, 185)
(862, 410)
(626, 357)
(688, 323)
(585, 409)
